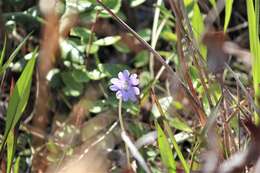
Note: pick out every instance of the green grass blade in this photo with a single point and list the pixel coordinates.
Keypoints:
(17, 165)
(171, 135)
(13, 55)
(197, 22)
(2, 54)
(213, 3)
(228, 11)
(11, 142)
(19, 98)
(257, 12)
(198, 28)
(165, 150)
(177, 148)
(255, 51)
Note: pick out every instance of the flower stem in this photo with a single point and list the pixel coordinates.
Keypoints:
(121, 122)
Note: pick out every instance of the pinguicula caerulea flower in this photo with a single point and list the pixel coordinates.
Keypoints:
(125, 86)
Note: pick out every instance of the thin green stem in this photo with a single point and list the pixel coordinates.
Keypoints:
(154, 31)
(121, 122)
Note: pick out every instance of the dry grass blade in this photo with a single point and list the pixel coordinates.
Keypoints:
(180, 36)
(192, 44)
(240, 160)
(251, 101)
(214, 13)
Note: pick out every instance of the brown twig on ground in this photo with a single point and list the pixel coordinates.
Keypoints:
(46, 62)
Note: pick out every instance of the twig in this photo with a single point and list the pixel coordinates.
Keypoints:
(250, 99)
(135, 151)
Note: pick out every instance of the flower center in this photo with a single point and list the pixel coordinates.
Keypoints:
(125, 85)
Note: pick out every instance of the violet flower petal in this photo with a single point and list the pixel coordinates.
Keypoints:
(116, 81)
(121, 76)
(125, 95)
(119, 94)
(126, 74)
(134, 80)
(132, 96)
(136, 90)
(114, 88)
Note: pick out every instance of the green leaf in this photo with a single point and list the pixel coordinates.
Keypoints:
(228, 11)
(110, 70)
(114, 5)
(72, 87)
(24, 17)
(145, 78)
(129, 106)
(13, 55)
(145, 34)
(169, 36)
(81, 32)
(84, 4)
(96, 75)
(197, 22)
(181, 125)
(135, 3)
(107, 41)
(80, 75)
(98, 106)
(19, 98)
(141, 59)
(72, 50)
(165, 103)
(74, 91)
(53, 77)
(165, 150)
(88, 16)
(92, 49)
(121, 47)
(88, 1)
(106, 70)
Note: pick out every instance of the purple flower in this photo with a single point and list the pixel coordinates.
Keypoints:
(125, 86)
